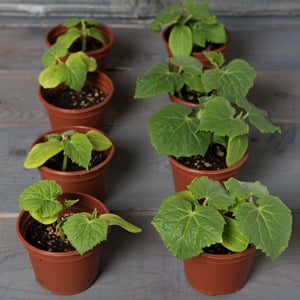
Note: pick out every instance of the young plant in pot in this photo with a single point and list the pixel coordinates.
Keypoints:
(187, 82)
(77, 158)
(87, 35)
(72, 91)
(63, 234)
(189, 28)
(215, 229)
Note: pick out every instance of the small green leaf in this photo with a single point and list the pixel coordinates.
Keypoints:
(181, 40)
(215, 58)
(218, 116)
(96, 34)
(268, 223)
(113, 219)
(188, 64)
(200, 11)
(99, 141)
(159, 79)
(236, 149)
(174, 131)
(203, 32)
(166, 16)
(52, 76)
(79, 149)
(212, 191)
(242, 190)
(85, 233)
(72, 22)
(51, 57)
(68, 38)
(41, 152)
(233, 238)
(185, 229)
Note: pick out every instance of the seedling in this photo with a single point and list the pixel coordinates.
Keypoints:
(235, 215)
(193, 23)
(83, 230)
(75, 146)
(80, 29)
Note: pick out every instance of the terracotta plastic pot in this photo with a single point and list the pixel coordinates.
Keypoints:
(197, 54)
(92, 116)
(214, 274)
(64, 273)
(91, 182)
(183, 176)
(100, 54)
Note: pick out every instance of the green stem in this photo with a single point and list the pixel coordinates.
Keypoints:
(83, 30)
(65, 162)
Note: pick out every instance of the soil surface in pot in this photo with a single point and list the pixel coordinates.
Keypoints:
(47, 237)
(56, 161)
(214, 159)
(192, 96)
(69, 99)
(208, 47)
(219, 249)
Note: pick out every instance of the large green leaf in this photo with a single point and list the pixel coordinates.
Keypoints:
(52, 76)
(268, 224)
(233, 81)
(174, 131)
(242, 190)
(41, 152)
(67, 39)
(186, 229)
(236, 149)
(40, 200)
(203, 32)
(99, 141)
(166, 16)
(188, 64)
(159, 79)
(79, 149)
(181, 40)
(212, 191)
(218, 116)
(85, 233)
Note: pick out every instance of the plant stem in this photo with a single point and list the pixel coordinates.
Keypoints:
(65, 162)
(83, 30)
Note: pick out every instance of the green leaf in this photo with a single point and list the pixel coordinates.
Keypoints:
(242, 190)
(212, 191)
(41, 152)
(52, 76)
(68, 38)
(233, 238)
(72, 22)
(181, 40)
(236, 149)
(258, 117)
(53, 54)
(113, 219)
(233, 81)
(174, 131)
(202, 33)
(166, 16)
(159, 79)
(83, 232)
(188, 64)
(200, 11)
(40, 199)
(218, 116)
(185, 229)
(215, 58)
(79, 149)
(96, 34)
(99, 141)
(267, 223)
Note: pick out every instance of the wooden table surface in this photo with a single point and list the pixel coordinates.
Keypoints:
(137, 267)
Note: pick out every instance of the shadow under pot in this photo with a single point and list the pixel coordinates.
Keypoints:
(92, 116)
(92, 181)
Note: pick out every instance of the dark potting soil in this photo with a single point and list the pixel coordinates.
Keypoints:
(217, 249)
(208, 47)
(47, 237)
(69, 99)
(191, 96)
(91, 45)
(214, 159)
(56, 161)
